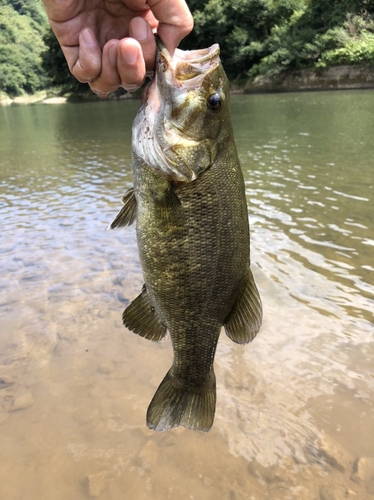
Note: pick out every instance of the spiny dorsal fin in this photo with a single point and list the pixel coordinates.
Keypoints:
(126, 216)
(245, 318)
(140, 317)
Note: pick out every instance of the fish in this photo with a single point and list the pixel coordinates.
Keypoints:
(189, 205)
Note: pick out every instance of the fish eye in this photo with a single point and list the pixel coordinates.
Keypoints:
(214, 102)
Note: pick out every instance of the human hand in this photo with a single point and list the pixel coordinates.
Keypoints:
(110, 44)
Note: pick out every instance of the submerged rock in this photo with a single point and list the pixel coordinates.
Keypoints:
(363, 471)
(22, 402)
(6, 381)
(334, 453)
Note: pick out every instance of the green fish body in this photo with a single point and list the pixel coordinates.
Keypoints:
(192, 230)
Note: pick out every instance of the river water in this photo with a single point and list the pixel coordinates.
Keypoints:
(295, 416)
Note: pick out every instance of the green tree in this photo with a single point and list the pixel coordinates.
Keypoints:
(275, 36)
(319, 35)
(242, 28)
(20, 47)
(30, 8)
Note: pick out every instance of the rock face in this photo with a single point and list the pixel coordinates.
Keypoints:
(335, 78)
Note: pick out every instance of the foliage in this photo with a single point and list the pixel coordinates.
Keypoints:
(354, 43)
(21, 28)
(241, 28)
(270, 37)
(30, 8)
(320, 35)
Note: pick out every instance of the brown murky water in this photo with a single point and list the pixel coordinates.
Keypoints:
(295, 417)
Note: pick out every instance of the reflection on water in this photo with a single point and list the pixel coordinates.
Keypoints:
(295, 413)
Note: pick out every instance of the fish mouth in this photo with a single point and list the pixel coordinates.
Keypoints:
(187, 65)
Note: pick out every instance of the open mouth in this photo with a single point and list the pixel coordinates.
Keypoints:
(189, 64)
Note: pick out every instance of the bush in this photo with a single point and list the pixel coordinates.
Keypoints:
(353, 43)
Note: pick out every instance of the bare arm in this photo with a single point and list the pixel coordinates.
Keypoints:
(110, 43)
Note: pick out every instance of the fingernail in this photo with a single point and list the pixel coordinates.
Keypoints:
(139, 29)
(88, 38)
(129, 53)
(99, 93)
(112, 55)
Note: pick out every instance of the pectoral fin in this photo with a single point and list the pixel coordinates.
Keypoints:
(245, 318)
(140, 317)
(126, 216)
(168, 205)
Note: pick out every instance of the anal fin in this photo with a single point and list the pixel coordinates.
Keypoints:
(245, 319)
(126, 216)
(140, 317)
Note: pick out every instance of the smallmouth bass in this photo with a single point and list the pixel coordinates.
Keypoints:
(192, 228)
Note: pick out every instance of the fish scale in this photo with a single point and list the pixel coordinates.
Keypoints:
(192, 231)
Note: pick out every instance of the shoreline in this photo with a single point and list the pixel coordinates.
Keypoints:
(41, 98)
(358, 77)
(305, 80)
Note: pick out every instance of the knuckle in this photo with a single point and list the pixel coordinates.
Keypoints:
(84, 75)
(188, 23)
(102, 89)
(100, 93)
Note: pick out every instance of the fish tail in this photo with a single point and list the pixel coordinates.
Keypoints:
(176, 404)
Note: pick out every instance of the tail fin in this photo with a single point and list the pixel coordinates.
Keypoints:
(174, 404)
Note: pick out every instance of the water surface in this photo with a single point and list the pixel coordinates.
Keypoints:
(295, 407)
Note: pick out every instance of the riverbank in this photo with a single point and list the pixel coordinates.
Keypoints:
(39, 97)
(334, 78)
(54, 97)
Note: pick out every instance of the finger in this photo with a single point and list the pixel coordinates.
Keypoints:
(130, 64)
(88, 65)
(141, 31)
(175, 21)
(108, 81)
